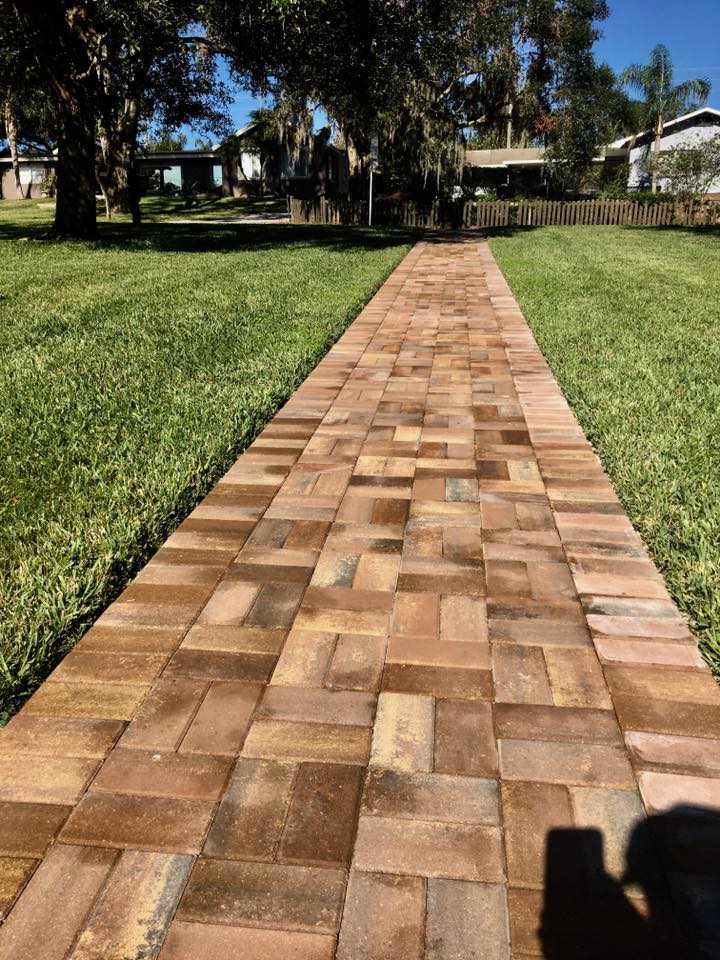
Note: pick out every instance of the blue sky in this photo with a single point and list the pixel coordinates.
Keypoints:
(689, 28)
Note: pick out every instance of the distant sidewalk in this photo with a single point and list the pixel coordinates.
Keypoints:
(266, 217)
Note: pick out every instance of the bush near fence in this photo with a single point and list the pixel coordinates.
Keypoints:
(478, 214)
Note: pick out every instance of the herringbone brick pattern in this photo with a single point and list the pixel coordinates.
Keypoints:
(405, 685)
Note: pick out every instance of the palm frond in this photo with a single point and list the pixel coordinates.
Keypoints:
(693, 93)
(661, 66)
(636, 75)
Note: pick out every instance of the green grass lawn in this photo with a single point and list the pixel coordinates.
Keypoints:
(153, 208)
(194, 208)
(629, 320)
(132, 371)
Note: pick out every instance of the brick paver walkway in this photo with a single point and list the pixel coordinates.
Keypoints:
(402, 686)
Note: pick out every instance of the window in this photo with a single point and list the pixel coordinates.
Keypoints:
(32, 173)
(294, 166)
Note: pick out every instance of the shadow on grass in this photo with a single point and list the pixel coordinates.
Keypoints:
(199, 237)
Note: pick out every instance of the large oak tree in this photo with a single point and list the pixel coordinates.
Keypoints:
(423, 74)
(107, 67)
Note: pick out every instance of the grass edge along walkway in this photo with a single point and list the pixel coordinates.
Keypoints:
(628, 320)
(135, 370)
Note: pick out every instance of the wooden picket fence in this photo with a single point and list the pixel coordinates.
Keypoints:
(479, 214)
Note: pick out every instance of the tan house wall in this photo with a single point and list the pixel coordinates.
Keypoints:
(8, 191)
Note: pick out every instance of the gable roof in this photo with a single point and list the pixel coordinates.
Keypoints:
(709, 112)
(240, 134)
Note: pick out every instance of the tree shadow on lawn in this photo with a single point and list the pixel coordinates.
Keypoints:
(199, 237)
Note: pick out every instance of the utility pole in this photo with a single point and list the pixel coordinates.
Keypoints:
(373, 162)
(371, 194)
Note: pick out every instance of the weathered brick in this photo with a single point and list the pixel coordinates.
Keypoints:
(264, 895)
(619, 816)
(110, 701)
(571, 763)
(28, 829)
(403, 733)
(530, 812)
(520, 675)
(38, 779)
(53, 907)
(383, 919)
(429, 848)
(59, 737)
(320, 824)
(430, 796)
(357, 663)
(164, 716)
(304, 659)
(317, 706)
(208, 941)
(319, 742)
(576, 678)
(149, 823)
(135, 908)
(14, 874)
(466, 920)
(250, 819)
(663, 791)
(222, 719)
(693, 755)
(145, 773)
(464, 739)
(517, 721)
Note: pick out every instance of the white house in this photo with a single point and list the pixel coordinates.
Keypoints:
(524, 168)
(684, 132)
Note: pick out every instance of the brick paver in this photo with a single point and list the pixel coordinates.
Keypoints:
(405, 685)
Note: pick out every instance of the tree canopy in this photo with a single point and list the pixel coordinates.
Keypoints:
(111, 68)
(425, 76)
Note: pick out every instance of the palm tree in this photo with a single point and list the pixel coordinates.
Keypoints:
(662, 100)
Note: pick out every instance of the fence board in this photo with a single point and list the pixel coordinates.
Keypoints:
(481, 214)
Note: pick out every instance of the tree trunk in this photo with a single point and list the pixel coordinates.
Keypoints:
(117, 182)
(75, 212)
(354, 162)
(61, 49)
(656, 151)
(11, 134)
(121, 142)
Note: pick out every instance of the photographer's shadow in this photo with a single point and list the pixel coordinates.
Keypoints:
(664, 904)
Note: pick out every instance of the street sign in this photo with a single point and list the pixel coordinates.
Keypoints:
(374, 148)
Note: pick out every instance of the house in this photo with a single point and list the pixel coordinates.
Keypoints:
(315, 168)
(517, 169)
(187, 171)
(525, 169)
(196, 171)
(36, 175)
(522, 169)
(684, 132)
